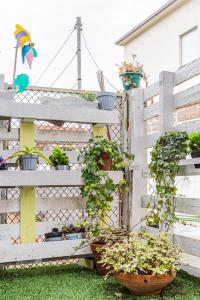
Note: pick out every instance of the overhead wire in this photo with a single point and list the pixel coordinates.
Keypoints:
(74, 86)
(65, 68)
(97, 66)
(52, 60)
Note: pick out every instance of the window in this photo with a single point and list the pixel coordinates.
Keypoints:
(189, 46)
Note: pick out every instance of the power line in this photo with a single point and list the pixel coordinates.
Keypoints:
(65, 68)
(74, 86)
(52, 60)
(92, 57)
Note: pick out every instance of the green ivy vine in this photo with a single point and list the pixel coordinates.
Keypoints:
(98, 188)
(168, 150)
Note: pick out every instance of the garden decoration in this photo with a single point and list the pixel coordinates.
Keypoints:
(53, 236)
(131, 74)
(73, 232)
(59, 159)
(21, 82)
(28, 158)
(194, 143)
(168, 150)
(145, 264)
(98, 156)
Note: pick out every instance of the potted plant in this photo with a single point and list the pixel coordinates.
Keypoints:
(54, 235)
(59, 159)
(73, 232)
(28, 158)
(145, 264)
(98, 188)
(3, 165)
(88, 96)
(194, 143)
(131, 74)
(100, 238)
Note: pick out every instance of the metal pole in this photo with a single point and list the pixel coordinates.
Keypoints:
(78, 30)
(15, 66)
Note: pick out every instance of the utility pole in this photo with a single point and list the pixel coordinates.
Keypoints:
(78, 27)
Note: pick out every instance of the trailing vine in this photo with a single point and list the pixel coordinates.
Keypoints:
(99, 188)
(168, 150)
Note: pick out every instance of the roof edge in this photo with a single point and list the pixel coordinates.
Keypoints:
(152, 18)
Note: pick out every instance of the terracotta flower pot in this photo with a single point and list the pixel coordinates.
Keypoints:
(107, 165)
(142, 285)
(101, 269)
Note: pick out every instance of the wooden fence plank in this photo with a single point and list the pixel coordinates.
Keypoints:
(48, 135)
(38, 251)
(187, 72)
(67, 113)
(47, 178)
(151, 91)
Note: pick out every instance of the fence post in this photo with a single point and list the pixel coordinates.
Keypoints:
(166, 104)
(139, 183)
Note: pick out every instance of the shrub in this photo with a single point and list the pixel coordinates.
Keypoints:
(194, 141)
(58, 157)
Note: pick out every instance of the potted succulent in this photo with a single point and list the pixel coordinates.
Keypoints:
(145, 264)
(3, 165)
(73, 232)
(28, 158)
(194, 143)
(131, 74)
(54, 235)
(59, 159)
(100, 238)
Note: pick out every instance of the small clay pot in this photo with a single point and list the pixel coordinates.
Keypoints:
(141, 285)
(107, 165)
(101, 268)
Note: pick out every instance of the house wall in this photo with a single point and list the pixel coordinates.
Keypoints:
(158, 46)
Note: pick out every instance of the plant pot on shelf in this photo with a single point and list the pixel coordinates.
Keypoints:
(196, 154)
(106, 100)
(62, 167)
(97, 255)
(141, 285)
(107, 162)
(53, 236)
(28, 162)
(131, 80)
(74, 236)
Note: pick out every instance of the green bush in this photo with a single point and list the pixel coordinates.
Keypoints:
(194, 141)
(58, 157)
(88, 96)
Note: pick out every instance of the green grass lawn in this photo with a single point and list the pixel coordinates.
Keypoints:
(76, 283)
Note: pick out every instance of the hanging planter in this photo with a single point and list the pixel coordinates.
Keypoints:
(131, 80)
(131, 74)
(106, 100)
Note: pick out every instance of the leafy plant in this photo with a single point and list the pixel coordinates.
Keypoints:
(109, 235)
(88, 96)
(98, 188)
(143, 254)
(29, 151)
(58, 157)
(73, 228)
(194, 141)
(168, 150)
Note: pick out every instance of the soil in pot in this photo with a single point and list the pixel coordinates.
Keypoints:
(107, 162)
(28, 162)
(141, 285)
(101, 269)
(196, 154)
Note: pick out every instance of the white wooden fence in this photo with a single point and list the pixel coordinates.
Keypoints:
(10, 253)
(139, 113)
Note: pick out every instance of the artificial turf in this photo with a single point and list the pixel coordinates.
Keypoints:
(76, 283)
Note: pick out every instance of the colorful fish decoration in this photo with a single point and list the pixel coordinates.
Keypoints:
(21, 82)
(24, 41)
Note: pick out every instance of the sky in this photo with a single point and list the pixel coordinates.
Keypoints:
(50, 22)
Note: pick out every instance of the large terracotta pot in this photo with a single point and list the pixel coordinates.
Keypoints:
(101, 269)
(107, 165)
(142, 285)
